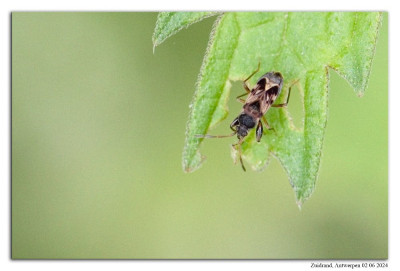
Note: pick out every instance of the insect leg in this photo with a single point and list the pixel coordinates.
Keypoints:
(258, 68)
(244, 82)
(287, 99)
(266, 124)
(234, 123)
(259, 131)
(241, 100)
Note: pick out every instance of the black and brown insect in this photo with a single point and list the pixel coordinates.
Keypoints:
(259, 100)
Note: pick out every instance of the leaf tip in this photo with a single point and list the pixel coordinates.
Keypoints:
(302, 196)
(155, 43)
(299, 203)
(360, 94)
(191, 165)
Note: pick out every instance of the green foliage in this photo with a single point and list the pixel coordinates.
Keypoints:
(168, 23)
(302, 46)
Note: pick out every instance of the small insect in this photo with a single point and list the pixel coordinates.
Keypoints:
(258, 101)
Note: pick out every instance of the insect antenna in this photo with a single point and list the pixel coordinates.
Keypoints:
(215, 136)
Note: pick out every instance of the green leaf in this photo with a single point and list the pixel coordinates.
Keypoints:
(302, 46)
(168, 23)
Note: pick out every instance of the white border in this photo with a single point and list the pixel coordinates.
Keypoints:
(125, 5)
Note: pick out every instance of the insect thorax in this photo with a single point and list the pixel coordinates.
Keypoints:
(247, 120)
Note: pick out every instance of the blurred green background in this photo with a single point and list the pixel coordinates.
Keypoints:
(98, 124)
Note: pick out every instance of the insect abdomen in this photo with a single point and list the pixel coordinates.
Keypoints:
(253, 109)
